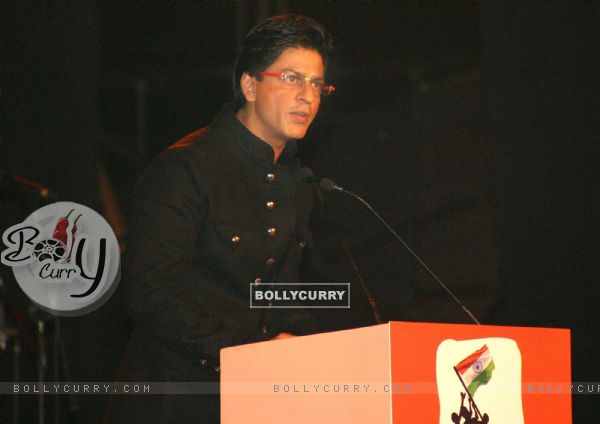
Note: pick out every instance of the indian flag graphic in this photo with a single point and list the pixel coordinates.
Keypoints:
(476, 369)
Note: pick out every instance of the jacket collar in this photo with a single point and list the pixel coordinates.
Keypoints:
(227, 122)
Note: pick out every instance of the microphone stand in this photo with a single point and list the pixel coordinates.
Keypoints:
(329, 185)
(350, 258)
(309, 177)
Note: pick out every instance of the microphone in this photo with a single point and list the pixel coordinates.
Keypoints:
(309, 177)
(328, 185)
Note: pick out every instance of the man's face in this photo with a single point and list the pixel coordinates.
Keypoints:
(279, 112)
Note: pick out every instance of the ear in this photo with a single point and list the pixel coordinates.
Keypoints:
(248, 85)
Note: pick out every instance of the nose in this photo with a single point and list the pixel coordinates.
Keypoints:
(306, 93)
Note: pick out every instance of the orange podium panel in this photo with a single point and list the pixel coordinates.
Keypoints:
(401, 372)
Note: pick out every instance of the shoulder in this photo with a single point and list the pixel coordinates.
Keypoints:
(194, 141)
(211, 140)
(192, 148)
(204, 145)
(174, 168)
(193, 160)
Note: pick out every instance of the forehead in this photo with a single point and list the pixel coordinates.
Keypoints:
(306, 61)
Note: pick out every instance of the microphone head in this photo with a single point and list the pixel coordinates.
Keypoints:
(307, 175)
(328, 185)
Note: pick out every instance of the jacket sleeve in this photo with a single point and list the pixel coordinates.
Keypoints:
(166, 290)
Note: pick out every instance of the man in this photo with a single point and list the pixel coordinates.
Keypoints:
(223, 208)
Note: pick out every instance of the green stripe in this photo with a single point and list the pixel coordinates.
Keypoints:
(482, 378)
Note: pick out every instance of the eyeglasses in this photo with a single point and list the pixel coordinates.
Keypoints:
(296, 80)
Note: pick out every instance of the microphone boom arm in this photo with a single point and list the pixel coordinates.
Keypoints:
(332, 186)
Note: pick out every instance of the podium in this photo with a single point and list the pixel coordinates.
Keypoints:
(401, 372)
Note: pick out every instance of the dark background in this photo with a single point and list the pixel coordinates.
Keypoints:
(470, 127)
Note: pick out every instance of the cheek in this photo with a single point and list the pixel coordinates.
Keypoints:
(281, 107)
(316, 105)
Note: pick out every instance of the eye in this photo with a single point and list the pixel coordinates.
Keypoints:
(290, 78)
(317, 84)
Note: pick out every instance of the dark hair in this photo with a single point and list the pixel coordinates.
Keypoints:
(266, 41)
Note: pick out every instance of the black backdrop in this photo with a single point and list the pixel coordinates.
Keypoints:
(471, 129)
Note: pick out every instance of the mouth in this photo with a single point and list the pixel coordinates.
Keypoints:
(300, 117)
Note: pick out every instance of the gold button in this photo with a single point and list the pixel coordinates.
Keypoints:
(257, 281)
(265, 329)
(272, 231)
(270, 261)
(235, 239)
(270, 303)
(270, 177)
(270, 204)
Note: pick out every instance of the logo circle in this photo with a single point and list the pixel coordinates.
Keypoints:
(75, 260)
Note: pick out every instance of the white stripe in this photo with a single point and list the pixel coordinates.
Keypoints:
(469, 375)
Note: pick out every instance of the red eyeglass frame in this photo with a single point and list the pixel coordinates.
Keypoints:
(325, 89)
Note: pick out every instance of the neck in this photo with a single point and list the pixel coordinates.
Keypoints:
(277, 152)
(246, 116)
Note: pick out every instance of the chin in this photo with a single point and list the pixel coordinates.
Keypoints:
(296, 135)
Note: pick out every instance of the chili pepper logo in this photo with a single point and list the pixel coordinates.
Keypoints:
(62, 231)
(59, 247)
(65, 257)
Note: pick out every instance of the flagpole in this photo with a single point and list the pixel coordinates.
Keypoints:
(468, 393)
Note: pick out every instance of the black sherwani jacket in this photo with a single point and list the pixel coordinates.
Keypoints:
(211, 216)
